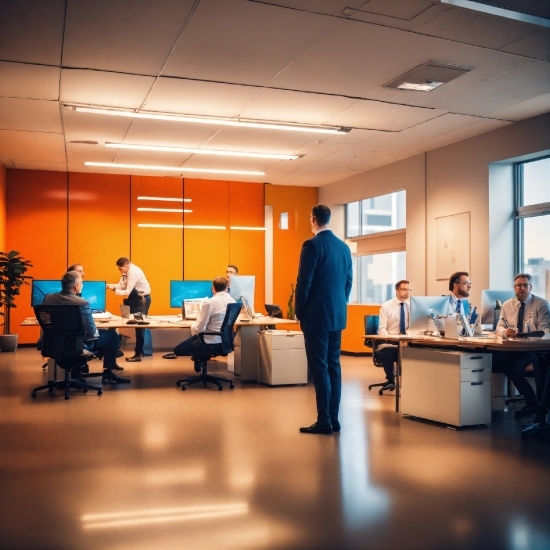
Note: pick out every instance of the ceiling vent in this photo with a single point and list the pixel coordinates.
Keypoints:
(429, 76)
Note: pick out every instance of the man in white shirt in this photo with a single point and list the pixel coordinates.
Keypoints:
(210, 319)
(393, 319)
(459, 285)
(136, 288)
(525, 310)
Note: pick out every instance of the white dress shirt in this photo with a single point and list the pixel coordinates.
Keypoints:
(134, 278)
(390, 316)
(211, 316)
(536, 311)
(451, 308)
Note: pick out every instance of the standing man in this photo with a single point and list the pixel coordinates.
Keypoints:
(393, 319)
(229, 272)
(515, 313)
(137, 290)
(459, 285)
(322, 290)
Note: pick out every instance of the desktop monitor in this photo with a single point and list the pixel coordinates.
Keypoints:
(488, 302)
(422, 306)
(188, 290)
(92, 291)
(243, 285)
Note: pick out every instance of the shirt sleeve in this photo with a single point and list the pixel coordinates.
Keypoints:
(90, 330)
(202, 320)
(543, 315)
(502, 320)
(131, 280)
(383, 322)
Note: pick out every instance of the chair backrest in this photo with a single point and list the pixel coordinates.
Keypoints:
(371, 327)
(229, 320)
(62, 330)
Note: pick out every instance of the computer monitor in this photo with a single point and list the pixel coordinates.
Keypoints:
(421, 308)
(488, 302)
(273, 310)
(188, 290)
(243, 285)
(92, 291)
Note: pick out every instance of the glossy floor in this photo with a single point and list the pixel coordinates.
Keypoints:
(148, 466)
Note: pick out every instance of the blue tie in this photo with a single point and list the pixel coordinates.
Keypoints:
(402, 329)
(458, 302)
(520, 317)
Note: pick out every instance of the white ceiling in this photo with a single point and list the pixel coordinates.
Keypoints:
(314, 62)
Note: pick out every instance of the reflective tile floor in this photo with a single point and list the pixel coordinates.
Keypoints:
(147, 466)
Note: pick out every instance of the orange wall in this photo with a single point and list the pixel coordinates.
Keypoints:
(352, 340)
(3, 185)
(287, 243)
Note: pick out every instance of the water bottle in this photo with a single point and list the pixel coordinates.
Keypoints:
(496, 316)
(528, 322)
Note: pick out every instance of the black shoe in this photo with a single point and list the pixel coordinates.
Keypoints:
(119, 353)
(335, 426)
(317, 429)
(170, 355)
(134, 359)
(529, 410)
(111, 378)
(117, 367)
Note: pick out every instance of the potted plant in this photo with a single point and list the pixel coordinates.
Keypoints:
(12, 277)
(290, 310)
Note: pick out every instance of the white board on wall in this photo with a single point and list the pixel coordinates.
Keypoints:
(452, 245)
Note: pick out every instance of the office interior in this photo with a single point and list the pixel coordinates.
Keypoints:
(149, 447)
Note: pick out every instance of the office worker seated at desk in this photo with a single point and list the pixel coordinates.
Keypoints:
(516, 314)
(393, 319)
(459, 285)
(107, 343)
(229, 272)
(210, 319)
(136, 288)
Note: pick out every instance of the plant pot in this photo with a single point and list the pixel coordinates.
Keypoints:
(8, 342)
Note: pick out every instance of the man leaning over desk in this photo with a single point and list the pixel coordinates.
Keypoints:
(525, 311)
(393, 319)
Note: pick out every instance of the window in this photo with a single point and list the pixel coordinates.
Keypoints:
(533, 223)
(377, 214)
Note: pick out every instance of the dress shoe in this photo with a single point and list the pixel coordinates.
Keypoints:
(117, 367)
(134, 359)
(317, 429)
(119, 353)
(111, 378)
(170, 355)
(335, 426)
(529, 410)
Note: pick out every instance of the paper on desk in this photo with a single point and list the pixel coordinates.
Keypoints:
(105, 315)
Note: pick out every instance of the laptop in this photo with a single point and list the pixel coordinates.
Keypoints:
(192, 308)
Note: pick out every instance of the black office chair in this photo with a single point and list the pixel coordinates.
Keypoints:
(213, 350)
(371, 327)
(541, 428)
(63, 342)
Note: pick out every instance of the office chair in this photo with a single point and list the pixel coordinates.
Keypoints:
(63, 342)
(541, 428)
(371, 327)
(209, 351)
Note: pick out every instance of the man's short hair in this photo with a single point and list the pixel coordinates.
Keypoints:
(121, 262)
(234, 267)
(524, 276)
(321, 213)
(399, 283)
(455, 278)
(68, 281)
(220, 283)
(73, 267)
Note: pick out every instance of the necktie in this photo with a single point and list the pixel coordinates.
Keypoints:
(520, 317)
(402, 329)
(458, 302)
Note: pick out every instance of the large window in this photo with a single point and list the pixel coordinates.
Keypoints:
(533, 223)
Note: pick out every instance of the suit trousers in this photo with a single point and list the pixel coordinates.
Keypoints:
(189, 347)
(512, 364)
(140, 332)
(388, 356)
(323, 360)
(107, 345)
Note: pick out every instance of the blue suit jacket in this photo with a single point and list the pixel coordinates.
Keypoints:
(324, 283)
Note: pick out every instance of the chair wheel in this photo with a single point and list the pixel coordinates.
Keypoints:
(183, 388)
(33, 394)
(85, 390)
(66, 397)
(381, 392)
(178, 384)
(99, 392)
(231, 386)
(220, 388)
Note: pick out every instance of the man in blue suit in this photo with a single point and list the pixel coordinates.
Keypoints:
(322, 291)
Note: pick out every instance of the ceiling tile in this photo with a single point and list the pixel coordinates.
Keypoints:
(94, 127)
(536, 45)
(243, 42)
(34, 115)
(334, 7)
(130, 36)
(446, 21)
(31, 146)
(395, 9)
(178, 95)
(32, 32)
(356, 137)
(288, 106)
(89, 87)
(527, 109)
(29, 81)
(79, 153)
(316, 175)
(38, 165)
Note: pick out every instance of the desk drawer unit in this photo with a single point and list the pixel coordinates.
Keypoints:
(452, 387)
(282, 358)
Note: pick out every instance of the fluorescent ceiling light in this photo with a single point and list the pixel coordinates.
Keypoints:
(202, 151)
(247, 228)
(180, 210)
(493, 8)
(181, 226)
(215, 121)
(167, 199)
(427, 86)
(174, 168)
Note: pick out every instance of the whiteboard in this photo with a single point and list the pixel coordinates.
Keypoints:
(452, 245)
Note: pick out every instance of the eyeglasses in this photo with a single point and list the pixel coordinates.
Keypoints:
(405, 289)
(522, 285)
(469, 283)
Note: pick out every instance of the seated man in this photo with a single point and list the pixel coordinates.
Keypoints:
(393, 319)
(107, 343)
(210, 319)
(459, 285)
(516, 313)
